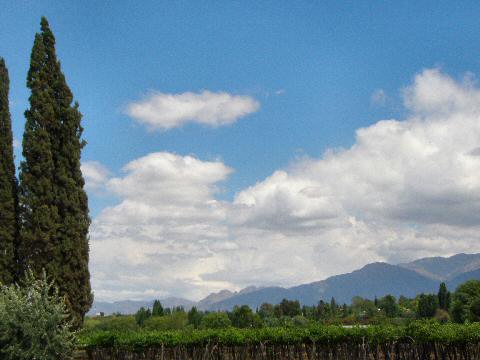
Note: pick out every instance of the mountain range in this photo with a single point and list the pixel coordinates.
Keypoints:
(376, 279)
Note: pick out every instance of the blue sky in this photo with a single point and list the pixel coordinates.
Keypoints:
(319, 71)
(327, 57)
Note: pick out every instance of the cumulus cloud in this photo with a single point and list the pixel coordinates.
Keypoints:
(167, 111)
(165, 231)
(95, 174)
(405, 189)
(435, 93)
(404, 178)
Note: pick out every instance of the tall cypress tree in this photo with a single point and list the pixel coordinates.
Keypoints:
(53, 136)
(38, 211)
(8, 186)
(443, 297)
(71, 198)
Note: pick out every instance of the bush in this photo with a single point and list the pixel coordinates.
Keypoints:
(215, 320)
(34, 322)
(442, 316)
(175, 321)
(466, 302)
(243, 317)
(300, 321)
(427, 305)
(142, 315)
(194, 317)
(114, 322)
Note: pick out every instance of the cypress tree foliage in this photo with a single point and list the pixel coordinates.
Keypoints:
(443, 297)
(8, 186)
(333, 306)
(38, 212)
(157, 309)
(54, 203)
(71, 198)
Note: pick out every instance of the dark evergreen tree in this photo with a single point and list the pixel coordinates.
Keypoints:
(290, 308)
(157, 309)
(194, 317)
(389, 305)
(54, 205)
(8, 186)
(266, 310)
(178, 309)
(142, 315)
(333, 306)
(309, 311)
(443, 297)
(323, 310)
(38, 213)
(242, 317)
(427, 304)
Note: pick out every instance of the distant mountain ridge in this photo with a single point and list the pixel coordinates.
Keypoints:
(460, 279)
(444, 269)
(132, 306)
(376, 279)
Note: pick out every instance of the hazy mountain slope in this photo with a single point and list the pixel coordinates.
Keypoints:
(376, 279)
(214, 298)
(254, 299)
(445, 268)
(460, 279)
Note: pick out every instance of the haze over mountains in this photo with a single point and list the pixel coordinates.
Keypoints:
(376, 279)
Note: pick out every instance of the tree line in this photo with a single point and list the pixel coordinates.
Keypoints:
(44, 217)
(463, 305)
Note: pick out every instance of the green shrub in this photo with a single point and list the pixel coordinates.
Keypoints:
(215, 320)
(300, 321)
(113, 323)
(244, 317)
(175, 321)
(466, 302)
(142, 315)
(34, 322)
(427, 305)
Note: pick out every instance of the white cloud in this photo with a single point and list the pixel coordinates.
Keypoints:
(167, 111)
(166, 229)
(95, 174)
(435, 93)
(408, 178)
(404, 190)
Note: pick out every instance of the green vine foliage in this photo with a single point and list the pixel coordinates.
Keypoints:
(418, 340)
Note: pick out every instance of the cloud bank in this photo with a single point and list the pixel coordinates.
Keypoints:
(405, 189)
(167, 111)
